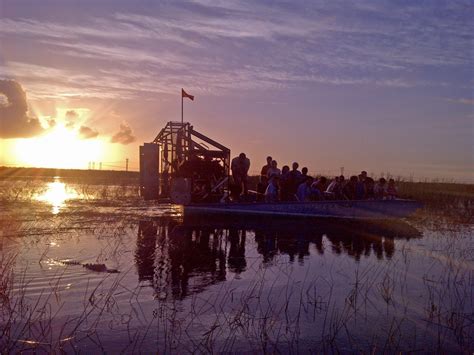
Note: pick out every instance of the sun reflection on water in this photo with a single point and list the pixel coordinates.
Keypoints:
(56, 195)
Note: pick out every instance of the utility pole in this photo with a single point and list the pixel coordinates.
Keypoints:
(126, 164)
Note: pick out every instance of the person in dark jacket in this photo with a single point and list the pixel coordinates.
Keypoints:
(349, 190)
(240, 167)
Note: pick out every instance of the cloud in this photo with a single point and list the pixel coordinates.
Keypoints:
(124, 135)
(464, 101)
(15, 121)
(71, 118)
(244, 45)
(87, 132)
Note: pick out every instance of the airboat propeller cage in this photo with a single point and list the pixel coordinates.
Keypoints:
(180, 152)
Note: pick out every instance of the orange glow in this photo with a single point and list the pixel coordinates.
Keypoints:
(60, 148)
(56, 195)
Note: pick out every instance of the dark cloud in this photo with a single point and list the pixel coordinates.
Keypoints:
(87, 132)
(124, 135)
(71, 118)
(14, 119)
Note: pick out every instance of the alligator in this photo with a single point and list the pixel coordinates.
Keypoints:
(89, 266)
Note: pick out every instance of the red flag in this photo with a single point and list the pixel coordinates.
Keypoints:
(185, 94)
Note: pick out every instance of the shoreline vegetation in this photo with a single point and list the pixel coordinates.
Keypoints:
(101, 176)
(431, 193)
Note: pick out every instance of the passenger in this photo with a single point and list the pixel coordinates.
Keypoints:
(285, 188)
(364, 175)
(294, 178)
(360, 188)
(263, 172)
(338, 190)
(369, 188)
(392, 192)
(318, 187)
(380, 189)
(330, 191)
(240, 167)
(273, 170)
(262, 184)
(332, 185)
(349, 190)
(304, 174)
(272, 191)
(303, 193)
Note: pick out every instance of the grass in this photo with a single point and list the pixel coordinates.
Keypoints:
(443, 199)
(272, 312)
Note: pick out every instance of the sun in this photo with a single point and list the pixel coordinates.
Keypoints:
(60, 148)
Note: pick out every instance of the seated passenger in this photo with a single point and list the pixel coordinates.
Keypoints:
(331, 189)
(303, 193)
(392, 191)
(304, 174)
(272, 191)
(338, 190)
(273, 170)
(349, 190)
(332, 185)
(318, 187)
(380, 189)
(360, 188)
(285, 188)
(294, 178)
(369, 188)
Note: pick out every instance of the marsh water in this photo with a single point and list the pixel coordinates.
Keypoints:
(91, 268)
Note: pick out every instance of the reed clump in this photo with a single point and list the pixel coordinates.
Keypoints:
(446, 200)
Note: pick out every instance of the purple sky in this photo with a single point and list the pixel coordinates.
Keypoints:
(378, 86)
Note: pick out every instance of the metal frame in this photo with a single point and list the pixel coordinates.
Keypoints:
(180, 141)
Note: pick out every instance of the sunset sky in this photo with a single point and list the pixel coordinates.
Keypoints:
(382, 86)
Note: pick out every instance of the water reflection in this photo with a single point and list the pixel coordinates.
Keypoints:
(180, 261)
(56, 195)
(352, 239)
(181, 258)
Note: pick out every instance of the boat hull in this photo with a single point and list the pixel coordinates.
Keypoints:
(361, 209)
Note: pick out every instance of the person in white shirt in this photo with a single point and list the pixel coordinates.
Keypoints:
(272, 191)
(380, 189)
(273, 170)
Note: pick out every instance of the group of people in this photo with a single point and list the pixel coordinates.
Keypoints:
(295, 185)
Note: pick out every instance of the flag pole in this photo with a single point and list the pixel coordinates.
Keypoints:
(182, 107)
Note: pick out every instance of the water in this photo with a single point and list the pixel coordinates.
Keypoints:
(93, 268)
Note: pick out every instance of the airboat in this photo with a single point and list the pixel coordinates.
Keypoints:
(185, 167)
